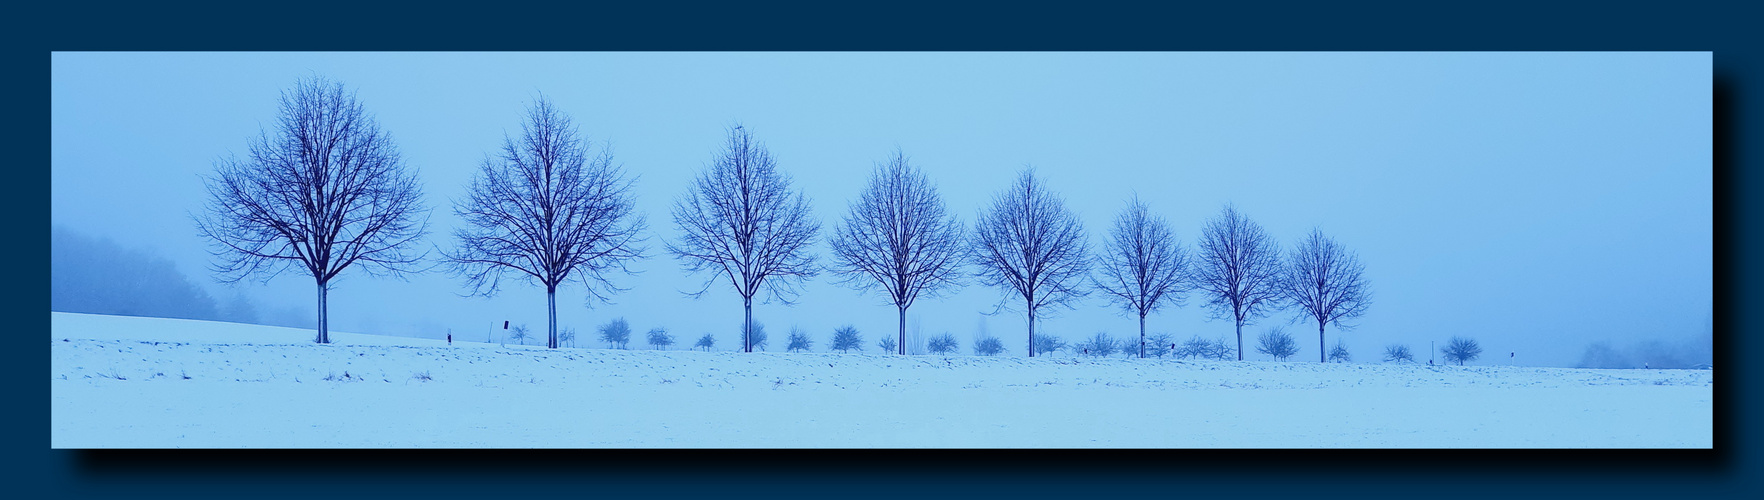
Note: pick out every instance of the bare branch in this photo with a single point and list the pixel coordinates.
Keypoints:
(545, 209)
(1029, 244)
(1143, 268)
(1326, 283)
(899, 239)
(1239, 270)
(327, 190)
(740, 221)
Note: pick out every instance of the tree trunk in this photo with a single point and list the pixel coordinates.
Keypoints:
(1031, 331)
(1142, 335)
(551, 315)
(324, 332)
(747, 325)
(1240, 340)
(1325, 357)
(902, 345)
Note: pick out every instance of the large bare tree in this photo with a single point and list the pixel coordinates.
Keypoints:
(1326, 283)
(323, 191)
(1029, 244)
(1144, 267)
(899, 238)
(740, 221)
(1239, 270)
(546, 208)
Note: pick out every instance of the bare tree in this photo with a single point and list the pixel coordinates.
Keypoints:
(545, 209)
(1031, 245)
(898, 238)
(326, 191)
(1143, 268)
(1239, 270)
(740, 221)
(1461, 349)
(1326, 283)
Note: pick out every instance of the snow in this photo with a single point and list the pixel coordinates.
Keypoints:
(129, 382)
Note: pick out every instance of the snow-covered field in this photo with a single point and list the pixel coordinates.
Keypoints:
(126, 382)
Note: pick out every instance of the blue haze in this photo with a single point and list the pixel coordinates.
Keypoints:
(1539, 202)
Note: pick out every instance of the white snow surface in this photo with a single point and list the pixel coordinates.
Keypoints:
(130, 382)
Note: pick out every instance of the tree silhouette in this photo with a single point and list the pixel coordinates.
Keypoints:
(899, 239)
(1143, 267)
(1239, 270)
(1030, 245)
(545, 209)
(328, 190)
(740, 221)
(1326, 283)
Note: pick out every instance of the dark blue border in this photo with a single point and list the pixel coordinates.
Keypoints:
(1732, 469)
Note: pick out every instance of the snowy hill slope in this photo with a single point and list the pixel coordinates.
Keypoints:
(148, 382)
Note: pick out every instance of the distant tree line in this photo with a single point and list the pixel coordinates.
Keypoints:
(325, 190)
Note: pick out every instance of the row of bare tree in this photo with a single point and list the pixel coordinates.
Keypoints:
(329, 190)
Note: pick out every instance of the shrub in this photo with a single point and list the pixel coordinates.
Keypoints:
(1398, 353)
(1461, 349)
(888, 344)
(1221, 349)
(988, 346)
(846, 338)
(659, 338)
(1100, 345)
(1277, 343)
(1159, 344)
(1339, 353)
(616, 333)
(1195, 347)
(758, 336)
(567, 336)
(942, 344)
(707, 342)
(799, 341)
(1048, 343)
(520, 334)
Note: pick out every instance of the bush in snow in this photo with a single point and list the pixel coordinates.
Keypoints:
(1277, 343)
(1398, 353)
(1048, 343)
(942, 344)
(706, 342)
(888, 345)
(1159, 344)
(520, 334)
(659, 338)
(846, 338)
(1221, 350)
(759, 336)
(1100, 345)
(567, 336)
(1461, 349)
(988, 346)
(1195, 347)
(799, 341)
(1339, 353)
(616, 333)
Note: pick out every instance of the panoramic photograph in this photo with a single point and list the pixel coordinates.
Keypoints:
(881, 250)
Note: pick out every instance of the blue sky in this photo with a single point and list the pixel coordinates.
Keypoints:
(1535, 201)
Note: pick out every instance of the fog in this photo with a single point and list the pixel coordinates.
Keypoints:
(1536, 202)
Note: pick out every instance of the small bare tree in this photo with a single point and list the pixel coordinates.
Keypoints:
(1143, 267)
(1239, 270)
(1029, 244)
(326, 191)
(545, 209)
(740, 221)
(1326, 283)
(898, 238)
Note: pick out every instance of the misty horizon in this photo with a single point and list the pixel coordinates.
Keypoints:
(1556, 206)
